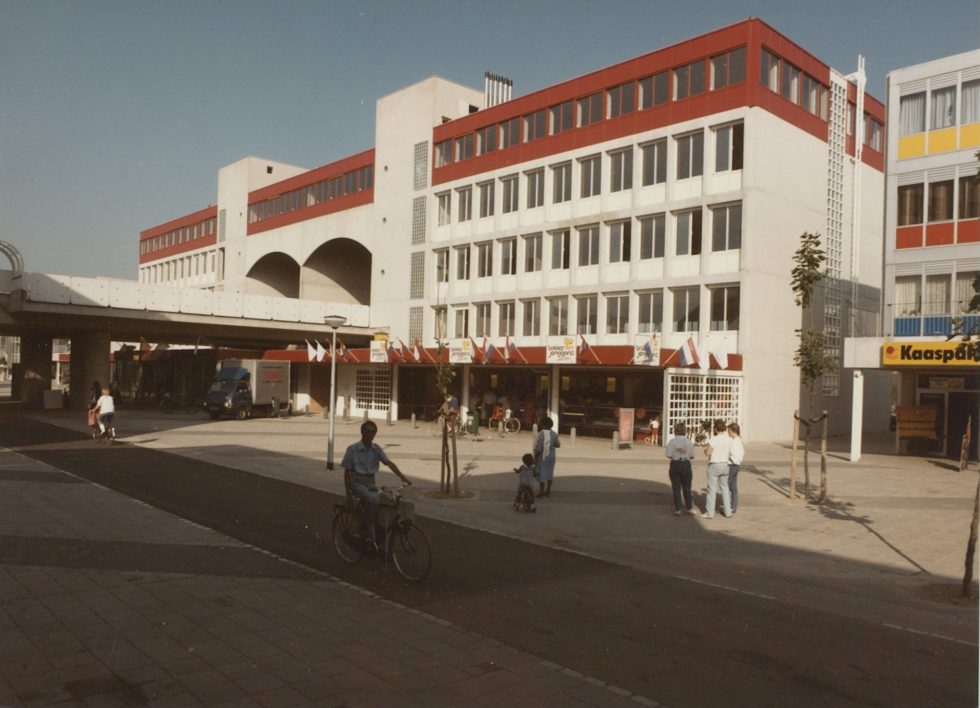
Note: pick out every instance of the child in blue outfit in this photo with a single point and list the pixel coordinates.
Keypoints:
(527, 476)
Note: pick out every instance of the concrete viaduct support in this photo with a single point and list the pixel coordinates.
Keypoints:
(89, 362)
(32, 377)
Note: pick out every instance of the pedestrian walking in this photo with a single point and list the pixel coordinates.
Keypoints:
(735, 458)
(680, 451)
(544, 455)
(718, 449)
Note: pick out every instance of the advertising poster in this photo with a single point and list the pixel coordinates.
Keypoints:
(460, 351)
(561, 350)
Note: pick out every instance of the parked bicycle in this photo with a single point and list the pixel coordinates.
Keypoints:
(510, 423)
(396, 536)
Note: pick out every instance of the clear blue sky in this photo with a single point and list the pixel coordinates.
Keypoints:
(115, 115)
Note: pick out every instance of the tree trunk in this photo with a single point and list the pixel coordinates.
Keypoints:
(823, 459)
(806, 464)
(792, 464)
(971, 546)
(444, 463)
(455, 467)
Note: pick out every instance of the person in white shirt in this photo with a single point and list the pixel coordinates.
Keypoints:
(735, 458)
(718, 450)
(106, 409)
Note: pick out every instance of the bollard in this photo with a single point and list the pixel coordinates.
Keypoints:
(388, 418)
(534, 429)
(573, 436)
(615, 440)
(365, 415)
(306, 410)
(500, 429)
(414, 424)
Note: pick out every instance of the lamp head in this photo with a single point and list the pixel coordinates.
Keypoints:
(334, 321)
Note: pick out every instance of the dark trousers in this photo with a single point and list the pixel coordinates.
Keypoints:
(681, 475)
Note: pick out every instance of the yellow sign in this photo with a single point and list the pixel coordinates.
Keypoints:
(944, 354)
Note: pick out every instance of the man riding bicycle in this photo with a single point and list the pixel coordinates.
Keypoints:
(361, 463)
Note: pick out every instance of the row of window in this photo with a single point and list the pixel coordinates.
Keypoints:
(679, 83)
(641, 312)
(313, 194)
(942, 294)
(726, 235)
(913, 204)
(179, 268)
(184, 234)
(688, 162)
(913, 117)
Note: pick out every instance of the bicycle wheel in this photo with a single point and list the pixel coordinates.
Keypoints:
(344, 534)
(512, 425)
(410, 550)
(437, 426)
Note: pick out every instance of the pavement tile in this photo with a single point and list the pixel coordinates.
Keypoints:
(284, 697)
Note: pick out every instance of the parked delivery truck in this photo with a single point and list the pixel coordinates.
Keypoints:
(249, 387)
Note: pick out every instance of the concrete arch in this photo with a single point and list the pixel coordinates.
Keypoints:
(274, 274)
(338, 271)
(13, 255)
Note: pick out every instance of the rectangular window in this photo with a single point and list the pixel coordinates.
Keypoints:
(910, 204)
(510, 191)
(510, 132)
(462, 263)
(769, 70)
(560, 248)
(652, 236)
(562, 117)
(912, 114)
(874, 133)
(726, 227)
(728, 147)
(561, 183)
(531, 318)
(535, 125)
(682, 82)
(482, 319)
(970, 102)
(654, 90)
(588, 246)
(969, 198)
(461, 315)
(505, 319)
(532, 253)
(621, 170)
(654, 162)
(908, 295)
(937, 295)
(690, 155)
(941, 201)
(790, 87)
(465, 198)
(964, 293)
(441, 328)
(688, 233)
(591, 168)
(724, 309)
(687, 309)
(444, 153)
(590, 109)
(617, 313)
(621, 99)
(620, 233)
(728, 68)
(587, 315)
(442, 266)
(464, 147)
(486, 199)
(650, 311)
(445, 207)
(943, 108)
(557, 315)
(535, 189)
(486, 140)
(508, 256)
(484, 259)
(810, 93)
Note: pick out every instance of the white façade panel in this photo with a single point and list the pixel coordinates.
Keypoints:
(163, 298)
(92, 292)
(196, 302)
(360, 316)
(127, 295)
(312, 311)
(41, 287)
(257, 307)
(227, 304)
(285, 309)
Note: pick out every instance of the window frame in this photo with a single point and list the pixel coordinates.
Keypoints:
(617, 313)
(557, 320)
(535, 188)
(694, 232)
(653, 301)
(484, 259)
(723, 236)
(561, 176)
(725, 298)
(510, 193)
(620, 240)
(621, 169)
(690, 155)
(588, 245)
(684, 306)
(464, 204)
(590, 169)
(561, 257)
(508, 255)
(533, 252)
(587, 317)
(531, 317)
(654, 239)
(462, 262)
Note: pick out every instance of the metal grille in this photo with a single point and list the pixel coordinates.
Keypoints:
(414, 324)
(421, 180)
(372, 390)
(417, 284)
(694, 398)
(837, 132)
(418, 220)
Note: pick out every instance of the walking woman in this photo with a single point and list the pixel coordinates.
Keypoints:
(544, 455)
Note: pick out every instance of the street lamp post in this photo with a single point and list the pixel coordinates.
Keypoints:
(333, 322)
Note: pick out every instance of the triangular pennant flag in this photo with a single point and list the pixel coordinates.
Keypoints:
(320, 351)
(310, 351)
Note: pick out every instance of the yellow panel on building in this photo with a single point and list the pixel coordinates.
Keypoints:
(942, 140)
(936, 353)
(911, 146)
(970, 135)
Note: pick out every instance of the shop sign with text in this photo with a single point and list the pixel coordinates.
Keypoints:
(561, 350)
(942, 353)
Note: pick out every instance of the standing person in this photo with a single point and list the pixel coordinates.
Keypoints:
(718, 450)
(735, 458)
(525, 485)
(361, 463)
(544, 455)
(680, 450)
(94, 394)
(655, 430)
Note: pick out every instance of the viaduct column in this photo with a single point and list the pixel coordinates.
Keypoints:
(33, 376)
(89, 362)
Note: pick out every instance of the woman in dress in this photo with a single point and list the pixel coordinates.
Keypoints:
(544, 455)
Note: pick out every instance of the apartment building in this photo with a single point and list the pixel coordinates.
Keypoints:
(622, 240)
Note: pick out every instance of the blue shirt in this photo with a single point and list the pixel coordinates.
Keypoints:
(680, 448)
(364, 461)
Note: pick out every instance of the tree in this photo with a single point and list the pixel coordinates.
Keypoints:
(811, 357)
(449, 467)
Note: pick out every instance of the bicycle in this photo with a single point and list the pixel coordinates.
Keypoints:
(402, 541)
(442, 423)
(510, 423)
(108, 436)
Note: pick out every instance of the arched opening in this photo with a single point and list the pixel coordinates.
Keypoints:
(274, 274)
(338, 271)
